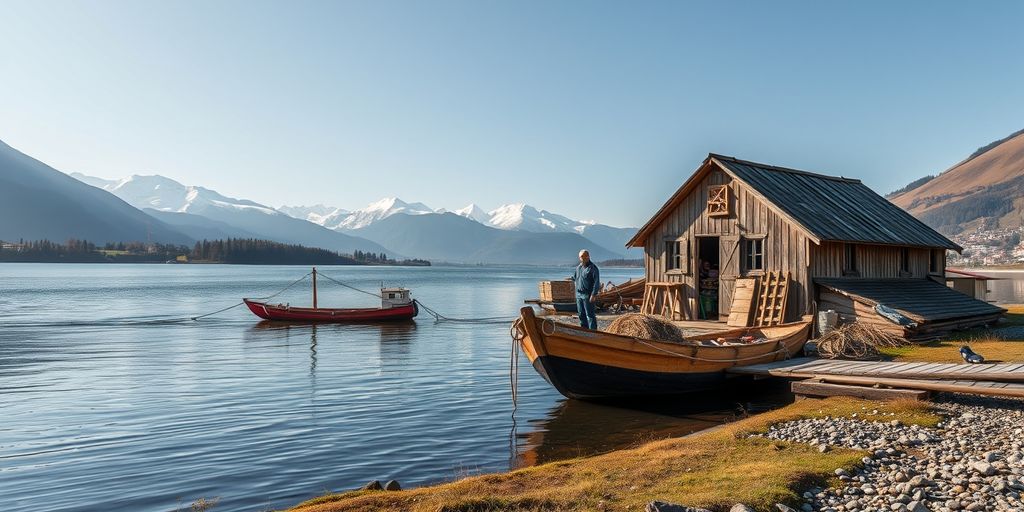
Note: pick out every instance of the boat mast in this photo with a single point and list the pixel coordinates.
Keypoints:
(314, 287)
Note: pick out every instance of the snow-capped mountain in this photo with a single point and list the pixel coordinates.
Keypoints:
(166, 195)
(201, 211)
(509, 217)
(523, 217)
(317, 214)
(474, 212)
(343, 220)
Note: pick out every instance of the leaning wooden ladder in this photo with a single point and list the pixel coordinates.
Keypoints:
(771, 306)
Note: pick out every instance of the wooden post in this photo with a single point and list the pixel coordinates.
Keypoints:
(314, 287)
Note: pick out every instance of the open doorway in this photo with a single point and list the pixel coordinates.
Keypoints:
(707, 277)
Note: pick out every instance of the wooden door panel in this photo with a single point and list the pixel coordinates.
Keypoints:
(728, 271)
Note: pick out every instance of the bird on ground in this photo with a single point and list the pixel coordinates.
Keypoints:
(970, 356)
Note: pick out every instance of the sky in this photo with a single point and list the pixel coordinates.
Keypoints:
(591, 109)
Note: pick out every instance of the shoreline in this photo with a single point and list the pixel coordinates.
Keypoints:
(835, 454)
(706, 469)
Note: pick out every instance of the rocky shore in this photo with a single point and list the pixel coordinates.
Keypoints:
(973, 460)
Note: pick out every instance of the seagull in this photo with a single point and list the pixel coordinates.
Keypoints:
(970, 356)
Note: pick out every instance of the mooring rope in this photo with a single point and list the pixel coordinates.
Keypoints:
(286, 288)
(438, 317)
(335, 281)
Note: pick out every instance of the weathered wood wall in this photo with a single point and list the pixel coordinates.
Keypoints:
(876, 261)
(785, 245)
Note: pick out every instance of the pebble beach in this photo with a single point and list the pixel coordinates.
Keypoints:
(973, 460)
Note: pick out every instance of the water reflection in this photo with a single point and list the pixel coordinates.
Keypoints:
(575, 428)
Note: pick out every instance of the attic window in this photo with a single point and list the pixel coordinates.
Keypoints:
(718, 201)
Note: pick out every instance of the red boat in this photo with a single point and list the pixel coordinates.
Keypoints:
(396, 305)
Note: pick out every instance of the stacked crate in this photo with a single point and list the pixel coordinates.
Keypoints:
(557, 291)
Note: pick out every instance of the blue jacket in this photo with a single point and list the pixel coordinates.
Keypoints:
(588, 280)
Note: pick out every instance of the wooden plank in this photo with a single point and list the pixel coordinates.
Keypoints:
(973, 387)
(824, 389)
(743, 302)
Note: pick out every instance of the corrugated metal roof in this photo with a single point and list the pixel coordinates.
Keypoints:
(923, 300)
(834, 208)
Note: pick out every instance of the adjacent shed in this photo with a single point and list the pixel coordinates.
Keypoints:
(734, 218)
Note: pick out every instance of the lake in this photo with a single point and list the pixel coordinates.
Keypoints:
(1006, 288)
(114, 400)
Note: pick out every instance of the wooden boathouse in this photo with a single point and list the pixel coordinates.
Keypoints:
(841, 245)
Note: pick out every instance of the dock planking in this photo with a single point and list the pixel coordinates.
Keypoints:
(807, 367)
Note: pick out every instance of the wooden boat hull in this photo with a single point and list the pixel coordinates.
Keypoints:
(282, 312)
(585, 364)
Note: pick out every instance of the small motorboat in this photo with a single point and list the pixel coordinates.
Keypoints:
(396, 305)
(587, 364)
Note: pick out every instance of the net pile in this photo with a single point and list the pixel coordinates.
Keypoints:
(856, 341)
(645, 326)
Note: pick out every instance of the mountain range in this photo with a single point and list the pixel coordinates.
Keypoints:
(172, 212)
(984, 191)
(201, 213)
(509, 217)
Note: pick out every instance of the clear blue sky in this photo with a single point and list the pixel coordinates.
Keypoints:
(590, 109)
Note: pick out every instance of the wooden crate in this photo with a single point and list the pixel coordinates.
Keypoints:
(557, 291)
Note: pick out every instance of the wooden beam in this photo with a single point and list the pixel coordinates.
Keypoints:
(812, 388)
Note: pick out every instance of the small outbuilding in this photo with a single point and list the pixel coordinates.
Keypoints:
(840, 244)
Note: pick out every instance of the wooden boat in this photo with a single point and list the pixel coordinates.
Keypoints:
(587, 364)
(617, 294)
(396, 305)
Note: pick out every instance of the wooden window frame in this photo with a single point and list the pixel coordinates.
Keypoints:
(905, 262)
(745, 267)
(850, 267)
(681, 255)
(718, 201)
(936, 258)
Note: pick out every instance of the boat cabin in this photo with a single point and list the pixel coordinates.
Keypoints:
(841, 246)
(394, 297)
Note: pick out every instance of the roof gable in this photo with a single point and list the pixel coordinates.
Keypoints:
(828, 208)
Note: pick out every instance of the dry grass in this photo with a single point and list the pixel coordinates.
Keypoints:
(984, 342)
(714, 469)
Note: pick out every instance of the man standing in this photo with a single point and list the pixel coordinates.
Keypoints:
(588, 281)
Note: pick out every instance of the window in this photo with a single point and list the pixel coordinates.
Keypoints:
(718, 201)
(849, 259)
(677, 255)
(904, 260)
(753, 254)
(936, 261)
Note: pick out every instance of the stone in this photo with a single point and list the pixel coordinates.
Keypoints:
(661, 506)
(739, 507)
(916, 506)
(392, 485)
(373, 485)
(784, 508)
(984, 468)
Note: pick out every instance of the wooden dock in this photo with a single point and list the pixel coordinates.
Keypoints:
(1002, 379)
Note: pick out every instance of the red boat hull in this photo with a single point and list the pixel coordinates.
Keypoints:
(339, 315)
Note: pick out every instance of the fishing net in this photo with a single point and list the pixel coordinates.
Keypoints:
(645, 326)
(856, 341)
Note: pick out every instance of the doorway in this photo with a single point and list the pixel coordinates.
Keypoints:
(707, 277)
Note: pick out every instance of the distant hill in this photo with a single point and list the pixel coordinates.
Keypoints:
(452, 238)
(205, 213)
(38, 202)
(985, 190)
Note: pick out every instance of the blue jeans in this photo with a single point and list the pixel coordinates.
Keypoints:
(587, 312)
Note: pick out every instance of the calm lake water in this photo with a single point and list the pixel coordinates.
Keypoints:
(112, 400)
(1007, 288)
